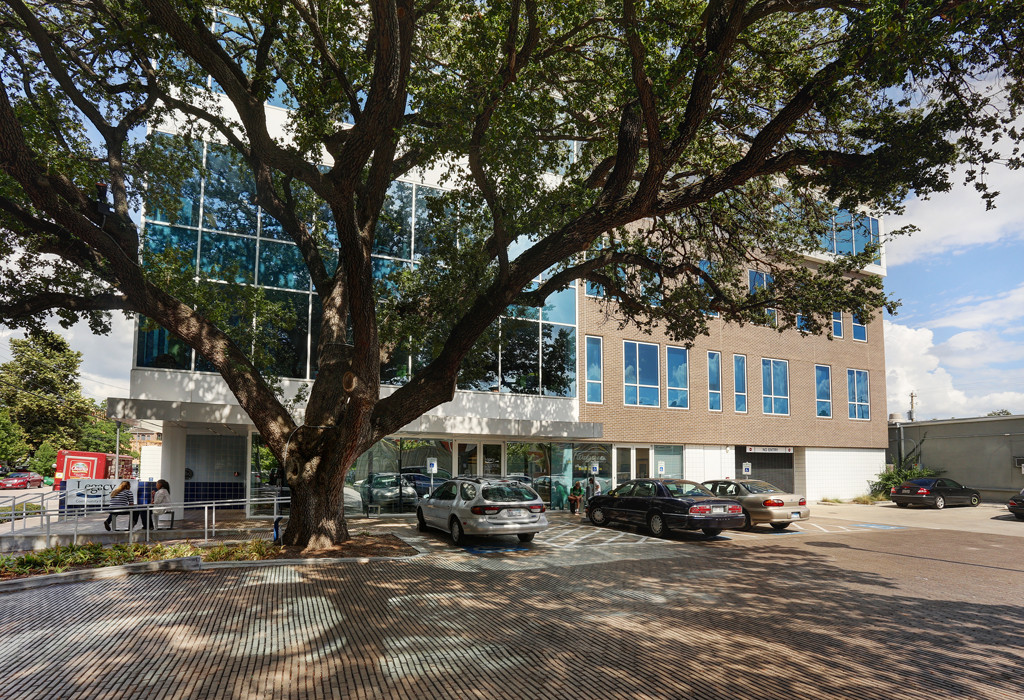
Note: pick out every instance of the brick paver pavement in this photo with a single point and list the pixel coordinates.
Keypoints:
(890, 614)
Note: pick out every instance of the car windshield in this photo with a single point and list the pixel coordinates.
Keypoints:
(17, 475)
(680, 489)
(381, 482)
(508, 493)
(761, 487)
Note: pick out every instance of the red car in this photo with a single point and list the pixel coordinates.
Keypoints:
(21, 480)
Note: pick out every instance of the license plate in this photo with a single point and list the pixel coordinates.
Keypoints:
(904, 490)
(795, 515)
(514, 512)
(717, 509)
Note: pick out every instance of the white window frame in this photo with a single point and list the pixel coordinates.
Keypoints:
(831, 412)
(773, 395)
(586, 368)
(840, 322)
(668, 379)
(638, 385)
(746, 385)
(711, 390)
(867, 403)
(856, 325)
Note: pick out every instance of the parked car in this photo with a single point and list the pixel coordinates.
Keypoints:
(762, 502)
(1016, 505)
(477, 506)
(933, 491)
(423, 483)
(441, 475)
(664, 505)
(21, 480)
(383, 490)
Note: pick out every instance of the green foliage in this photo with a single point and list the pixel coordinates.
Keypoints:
(44, 459)
(41, 390)
(27, 508)
(58, 559)
(999, 412)
(100, 434)
(896, 476)
(13, 445)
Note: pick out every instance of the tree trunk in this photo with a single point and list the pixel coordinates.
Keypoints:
(316, 517)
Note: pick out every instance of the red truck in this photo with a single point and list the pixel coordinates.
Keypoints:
(90, 465)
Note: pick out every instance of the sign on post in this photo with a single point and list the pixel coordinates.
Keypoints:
(431, 465)
(661, 467)
(746, 468)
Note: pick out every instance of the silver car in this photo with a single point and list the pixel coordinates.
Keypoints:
(475, 506)
(762, 502)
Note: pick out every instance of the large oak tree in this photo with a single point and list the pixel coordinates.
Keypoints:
(619, 142)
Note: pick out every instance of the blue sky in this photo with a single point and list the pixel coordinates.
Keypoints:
(957, 342)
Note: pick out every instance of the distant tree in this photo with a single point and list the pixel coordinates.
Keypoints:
(13, 447)
(1000, 412)
(44, 459)
(41, 390)
(99, 434)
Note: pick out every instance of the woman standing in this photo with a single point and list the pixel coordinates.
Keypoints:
(121, 497)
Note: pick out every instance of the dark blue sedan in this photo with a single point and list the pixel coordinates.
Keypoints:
(664, 505)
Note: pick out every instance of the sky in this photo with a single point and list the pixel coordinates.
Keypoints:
(957, 341)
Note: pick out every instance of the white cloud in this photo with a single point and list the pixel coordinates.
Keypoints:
(914, 364)
(956, 220)
(976, 349)
(998, 310)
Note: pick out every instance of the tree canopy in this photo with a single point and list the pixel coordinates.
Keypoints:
(657, 149)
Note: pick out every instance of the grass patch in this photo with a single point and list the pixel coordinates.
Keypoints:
(831, 500)
(88, 556)
(21, 510)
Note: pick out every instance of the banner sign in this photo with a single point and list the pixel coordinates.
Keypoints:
(94, 493)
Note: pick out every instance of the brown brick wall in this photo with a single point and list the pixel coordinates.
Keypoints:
(698, 425)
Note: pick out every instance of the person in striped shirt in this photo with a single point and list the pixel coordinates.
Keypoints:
(120, 500)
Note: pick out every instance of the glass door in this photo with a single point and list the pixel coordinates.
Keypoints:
(479, 459)
(632, 463)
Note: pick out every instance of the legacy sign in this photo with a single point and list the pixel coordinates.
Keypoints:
(94, 492)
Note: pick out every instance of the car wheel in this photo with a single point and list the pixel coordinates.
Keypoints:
(420, 522)
(526, 536)
(780, 526)
(455, 527)
(747, 525)
(712, 531)
(940, 503)
(975, 500)
(656, 524)
(902, 505)
(598, 517)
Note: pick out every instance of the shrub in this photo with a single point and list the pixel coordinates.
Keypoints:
(895, 477)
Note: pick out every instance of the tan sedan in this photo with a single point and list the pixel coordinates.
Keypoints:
(762, 502)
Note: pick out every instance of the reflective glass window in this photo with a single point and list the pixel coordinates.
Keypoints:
(763, 281)
(861, 233)
(560, 307)
(393, 236)
(290, 335)
(823, 391)
(435, 221)
(281, 265)
(558, 360)
(844, 232)
(707, 267)
(858, 396)
(837, 324)
(739, 369)
(167, 200)
(479, 370)
(180, 244)
(775, 387)
(160, 349)
(671, 458)
(860, 330)
(714, 381)
(641, 374)
(678, 379)
(875, 239)
(228, 258)
(520, 356)
(227, 193)
(595, 369)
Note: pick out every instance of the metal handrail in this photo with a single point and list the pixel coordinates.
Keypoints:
(63, 511)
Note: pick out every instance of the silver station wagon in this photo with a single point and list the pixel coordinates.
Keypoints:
(475, 506)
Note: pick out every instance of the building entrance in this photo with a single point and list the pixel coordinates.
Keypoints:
(632, 463)
(774, 467)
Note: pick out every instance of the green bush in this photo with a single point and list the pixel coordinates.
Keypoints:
(28, 508)
(895, 477)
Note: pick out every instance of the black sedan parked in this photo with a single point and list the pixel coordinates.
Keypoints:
(933, 491)
(1016, 505)
(666, 504)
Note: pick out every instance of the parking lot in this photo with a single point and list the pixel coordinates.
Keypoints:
(854, 607)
